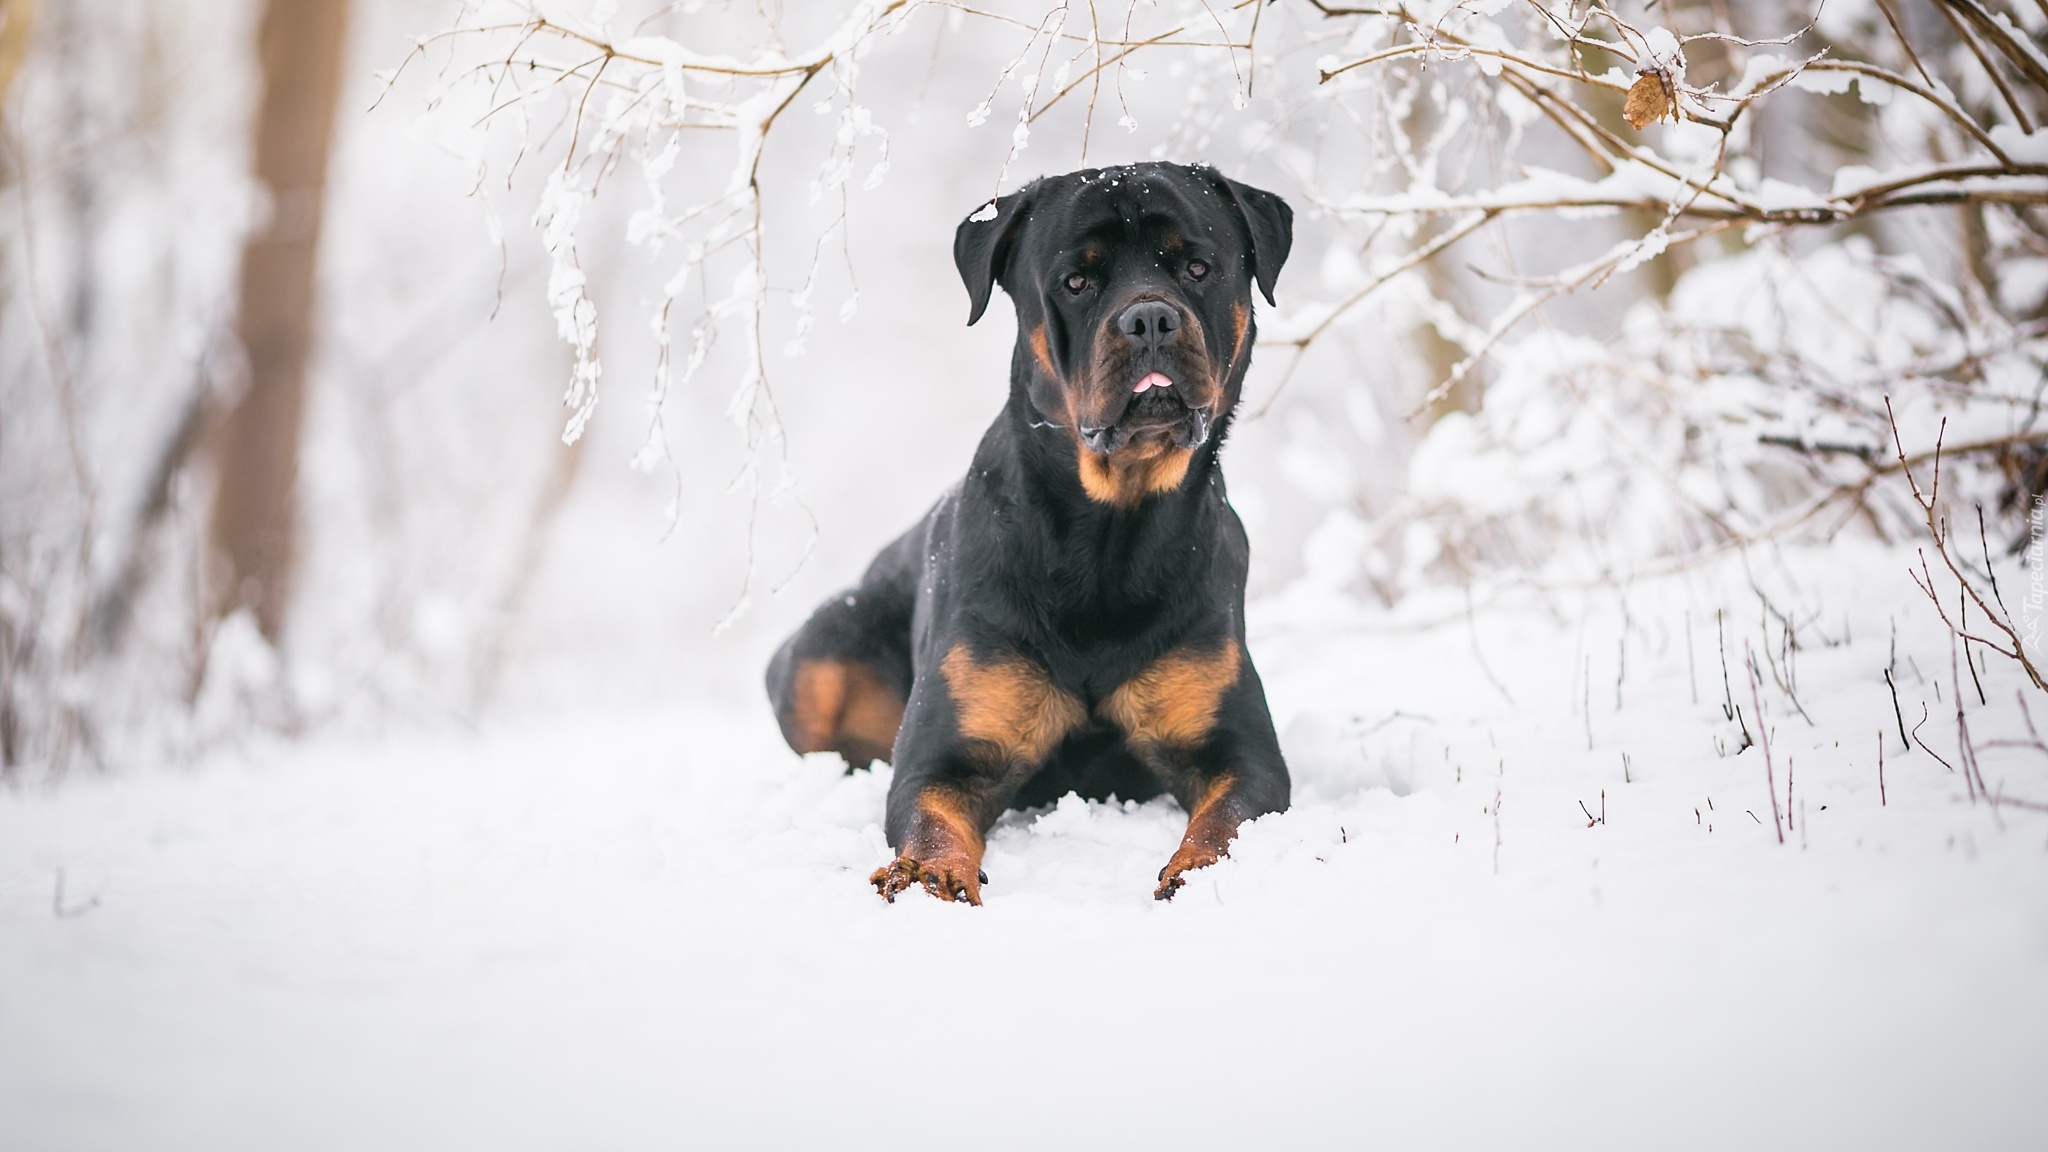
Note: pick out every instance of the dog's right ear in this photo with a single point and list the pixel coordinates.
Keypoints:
(981, 247)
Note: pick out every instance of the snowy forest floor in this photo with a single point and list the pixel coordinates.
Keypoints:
(600, 929)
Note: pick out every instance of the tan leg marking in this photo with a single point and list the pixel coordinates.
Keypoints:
(1009, 705)
(1173, 702)
(843, 706)
(1210, 831)
(1170, 707)
(942, 852)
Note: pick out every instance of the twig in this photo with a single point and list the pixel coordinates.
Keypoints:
(1966, 755)
(1415, 259)
(1764, 740)
(1727, 693)
(1938, 757)
(1938, 534)
(1993, 29)
(1896, 713)
(1949, 8)
(1899, 31)
(1784, 680)
(1990, 570)
(1496, 818)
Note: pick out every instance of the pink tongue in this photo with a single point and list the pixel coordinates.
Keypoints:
(1154, 380)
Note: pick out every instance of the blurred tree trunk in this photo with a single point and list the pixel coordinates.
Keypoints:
(300, 45)
(17, 21)
(1439, 353)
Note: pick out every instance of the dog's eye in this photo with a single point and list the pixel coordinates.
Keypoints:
(1077, 283)
(1197, 269)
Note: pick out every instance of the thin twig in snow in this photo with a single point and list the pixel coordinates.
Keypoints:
(1763, 739)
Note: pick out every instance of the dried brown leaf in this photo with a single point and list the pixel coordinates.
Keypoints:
(1650, 101)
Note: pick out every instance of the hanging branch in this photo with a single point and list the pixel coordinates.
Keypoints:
(1549, 72)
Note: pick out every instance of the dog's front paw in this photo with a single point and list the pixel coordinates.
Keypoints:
(1172, 878)
(948, 877)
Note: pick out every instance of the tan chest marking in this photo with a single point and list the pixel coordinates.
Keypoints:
(1009, 705)
(1125, 478)
(1173, 702)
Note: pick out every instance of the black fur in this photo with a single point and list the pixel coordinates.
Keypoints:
(1020, 561)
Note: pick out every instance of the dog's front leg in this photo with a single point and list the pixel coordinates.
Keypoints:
(1216, 805)
(1197, 717)
(939, 844)
(974, 732)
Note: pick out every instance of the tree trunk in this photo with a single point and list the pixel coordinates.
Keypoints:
(17, 24)
(301, 47)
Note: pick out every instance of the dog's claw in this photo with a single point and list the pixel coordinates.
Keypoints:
(980, 876)
(1173, 877)
(889, 880)
(944, 882)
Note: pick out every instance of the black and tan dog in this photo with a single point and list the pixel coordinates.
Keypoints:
(1070, 616)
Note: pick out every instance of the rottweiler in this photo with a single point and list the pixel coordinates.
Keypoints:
(1070, 615)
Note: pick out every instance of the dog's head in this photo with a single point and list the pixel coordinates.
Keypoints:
(1133, 289)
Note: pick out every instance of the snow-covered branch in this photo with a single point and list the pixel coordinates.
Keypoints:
(1749, 398)
(654, 92)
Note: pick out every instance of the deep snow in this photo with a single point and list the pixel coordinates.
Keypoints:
(650, 927)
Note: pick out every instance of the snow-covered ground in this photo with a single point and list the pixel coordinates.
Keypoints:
(642, 928)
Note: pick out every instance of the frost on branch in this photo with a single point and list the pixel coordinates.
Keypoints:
(675, 113)
(648, 101)
(1748, 406)
(561, 206)
(1743, 399)
(1469, 166)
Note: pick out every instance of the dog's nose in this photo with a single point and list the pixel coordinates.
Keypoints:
(1149, 322)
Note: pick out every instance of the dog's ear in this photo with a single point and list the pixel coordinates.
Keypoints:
(981, 247)
(1271, 224)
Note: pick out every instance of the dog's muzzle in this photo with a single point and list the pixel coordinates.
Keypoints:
(1156, 409)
